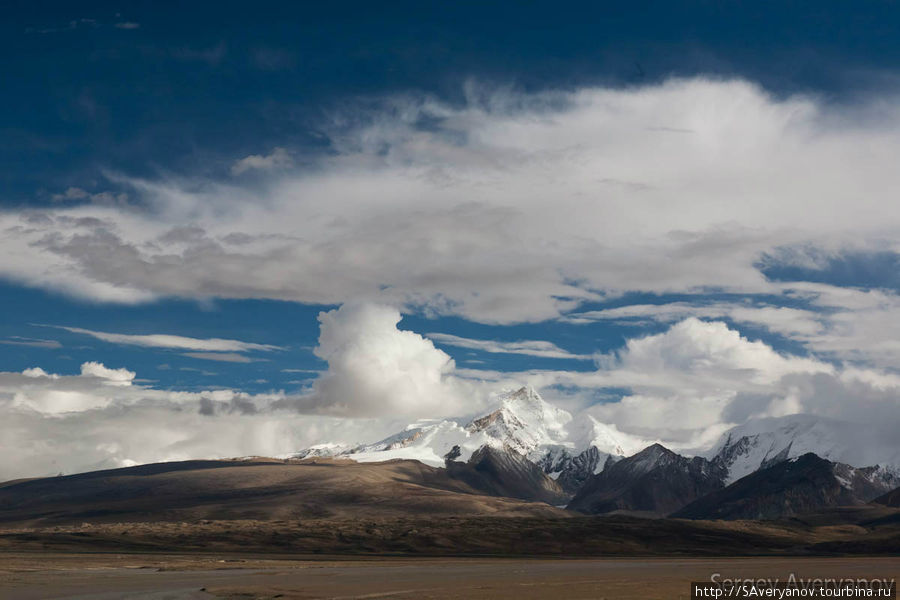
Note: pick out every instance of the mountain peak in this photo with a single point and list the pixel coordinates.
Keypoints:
(526, 393)
(523, 421)
(657, 449)
(653, 456)
(524, 400)
(655, 480)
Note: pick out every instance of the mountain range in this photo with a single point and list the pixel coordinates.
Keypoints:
(527, 448)
(524, 459)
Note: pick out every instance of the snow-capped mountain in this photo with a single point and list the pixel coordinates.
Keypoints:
(524, 423)
(764, 442)
(572, 451)
(567, 450)
(322, 450)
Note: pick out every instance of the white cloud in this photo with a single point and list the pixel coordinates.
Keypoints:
(221, 356)
(279, 158)
(839, 323)
(111, 376)
(101, 419)
(539, 348)
(376, 369)
(710, 349)
(512, 207)
(686, 385)
(519, 207)
(161, 427)
(37, 372)
(683, 381)
(52, 394)
(790, 322)
(860, 325)
(34, 343)
(100, 198)
(159, 340)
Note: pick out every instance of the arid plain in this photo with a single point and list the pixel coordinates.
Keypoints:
(338, 529)
(179, 576)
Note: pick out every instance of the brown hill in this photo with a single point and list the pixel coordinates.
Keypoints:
(260, 489)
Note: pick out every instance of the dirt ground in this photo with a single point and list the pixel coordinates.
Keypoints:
(31, 576)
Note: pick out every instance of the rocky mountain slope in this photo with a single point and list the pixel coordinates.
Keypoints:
(503, 472)
(792, 487)
(655, 481)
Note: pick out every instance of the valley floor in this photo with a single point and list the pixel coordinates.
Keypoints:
(29, 576)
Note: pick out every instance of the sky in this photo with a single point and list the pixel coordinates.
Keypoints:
(233, 229)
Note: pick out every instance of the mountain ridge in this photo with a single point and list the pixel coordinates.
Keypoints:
(791, 487)
(655, 481)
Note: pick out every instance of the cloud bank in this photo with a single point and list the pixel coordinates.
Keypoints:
(510, 207)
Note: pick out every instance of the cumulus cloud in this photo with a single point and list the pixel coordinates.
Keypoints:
(791, 322)
(120, 376)
(683, 381)
(279, 158)
(374, 368)
(539, 348)
(837, 323)
(687, 385)
(160, 340)
(710, 349)
(51, 394)
(38, 372)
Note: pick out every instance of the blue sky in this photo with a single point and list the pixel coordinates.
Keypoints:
(574, 196)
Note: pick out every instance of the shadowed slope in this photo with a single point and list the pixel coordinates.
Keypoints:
(794, 487)
(655, 481)
(257, 489)
(892, 498)
(507, 473)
